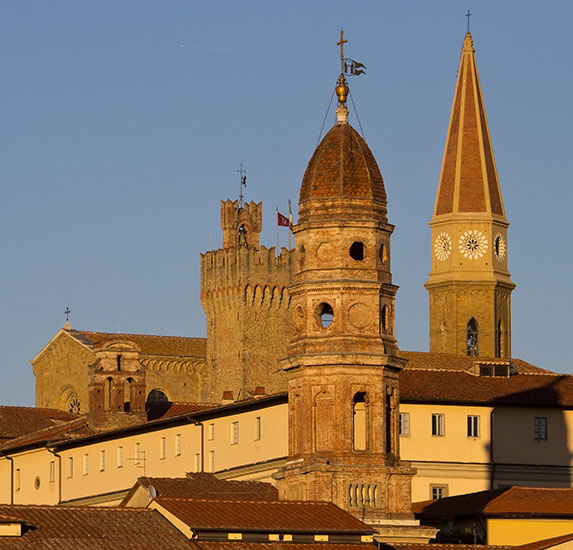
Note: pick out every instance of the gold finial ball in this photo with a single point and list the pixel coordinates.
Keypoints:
(342, 90)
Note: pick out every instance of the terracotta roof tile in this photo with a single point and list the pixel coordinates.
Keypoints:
(268, 516)
(70, 528)
(515, 501)
(148, 344)
(288, 546)
(460, 387)
(468, 182)
(342, 167)
(203, 485)
(453, 362)
(545, 543)
(439, 546)
(18, 421)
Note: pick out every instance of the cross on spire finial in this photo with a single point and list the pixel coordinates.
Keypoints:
(468, 15)
(341, 44)
(67, 313)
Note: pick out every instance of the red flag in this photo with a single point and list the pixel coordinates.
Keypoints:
(282, 221)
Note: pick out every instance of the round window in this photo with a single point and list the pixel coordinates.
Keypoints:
(325, 314)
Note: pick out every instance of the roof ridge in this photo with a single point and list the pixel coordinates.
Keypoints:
(69, 331)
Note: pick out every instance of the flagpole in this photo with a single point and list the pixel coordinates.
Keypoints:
(277, 230)
(290, 225)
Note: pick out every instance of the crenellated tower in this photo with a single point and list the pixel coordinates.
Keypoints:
(244, 292)
(469, 285)
(342, 365)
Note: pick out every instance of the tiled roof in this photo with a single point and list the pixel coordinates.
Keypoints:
(203, 486)
(167, 409)
(512, 502)
(66, 430)
(439, 546)
(267, 516)
(69, 528)
(147, 343)
(468, 181)
(422, 386)
(545, 543)
(449, 361)
(342, 167)
(18, 421)
(289, 546)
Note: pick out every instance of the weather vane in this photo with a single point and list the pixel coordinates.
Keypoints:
(243, 183)
(348, 66)
(468, 15)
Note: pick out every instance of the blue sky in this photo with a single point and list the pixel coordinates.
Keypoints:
(124, 122)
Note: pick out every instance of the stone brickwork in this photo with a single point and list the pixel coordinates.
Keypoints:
(244, 292)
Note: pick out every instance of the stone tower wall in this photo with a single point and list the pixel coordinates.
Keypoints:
(244, 292)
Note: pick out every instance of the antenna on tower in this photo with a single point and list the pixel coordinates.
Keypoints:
(243, 183)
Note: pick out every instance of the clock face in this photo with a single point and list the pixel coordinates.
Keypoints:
(442, 246)
(473, 244)
(499, 246)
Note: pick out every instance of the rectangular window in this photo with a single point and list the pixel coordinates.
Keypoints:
(473, 425)
(137, 453)
(438, 491)
(540, 428)
(438, 424)
(86, 464)
(211, 432)
(17, 479)
(197, 462)
(52, 471)
(258, 428)
(404, 424)
(178, 445)
(120, 457)
(212, 461)
(234, 433)
(70, 467)
(162, 447)
(102, 461)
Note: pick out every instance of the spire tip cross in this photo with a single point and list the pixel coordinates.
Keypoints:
(468, 15)
(67, 314)
(341, 43)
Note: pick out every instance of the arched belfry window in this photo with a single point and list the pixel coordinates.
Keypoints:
(359, 437)
(242, 236)
(472, 338)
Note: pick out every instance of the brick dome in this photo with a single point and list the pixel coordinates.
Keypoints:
(342, 167)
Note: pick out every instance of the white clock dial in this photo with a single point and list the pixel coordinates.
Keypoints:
(499, 246)
(473, 244)
(442, 246)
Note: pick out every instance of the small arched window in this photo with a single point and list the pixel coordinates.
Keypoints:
(360, 422)
(127, 394)
(107, 393)
(472, 338)
(242, 236)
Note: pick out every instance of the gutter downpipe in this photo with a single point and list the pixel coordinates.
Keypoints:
(491, 455)
(199, 423)
(52, 451)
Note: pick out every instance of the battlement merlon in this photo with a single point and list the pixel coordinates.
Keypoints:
(238, 267)
(241, 225)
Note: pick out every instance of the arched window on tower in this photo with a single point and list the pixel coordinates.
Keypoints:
(359, 436)
(472, 338)
(242, 236)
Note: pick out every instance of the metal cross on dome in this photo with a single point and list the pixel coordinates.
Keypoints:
(348, 66)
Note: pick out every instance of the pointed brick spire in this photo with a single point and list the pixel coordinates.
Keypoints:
(468, 182)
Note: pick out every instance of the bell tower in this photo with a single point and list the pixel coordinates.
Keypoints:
(342, 366)
(469, 285)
